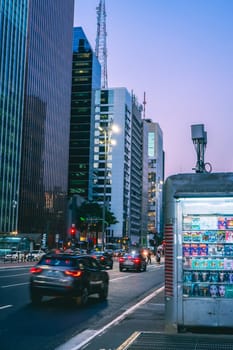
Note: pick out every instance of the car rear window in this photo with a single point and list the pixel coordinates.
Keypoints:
(58, 261)
(133, 255)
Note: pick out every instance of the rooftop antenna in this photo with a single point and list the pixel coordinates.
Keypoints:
(199, 137)
(101, 46)
(144, 106)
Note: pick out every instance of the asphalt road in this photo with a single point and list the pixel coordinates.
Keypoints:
(55, 322)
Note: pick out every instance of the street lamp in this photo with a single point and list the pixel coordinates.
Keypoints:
(107, 131)
(159, 190)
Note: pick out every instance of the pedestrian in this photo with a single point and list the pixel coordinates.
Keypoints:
(158, 256)
(149, 257)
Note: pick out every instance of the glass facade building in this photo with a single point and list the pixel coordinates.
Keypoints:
(155, 177)
(145, 186)
(13, 36)
(86, 78)
(45, 147)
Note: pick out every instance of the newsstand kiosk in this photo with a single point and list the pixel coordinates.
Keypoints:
(198, 229)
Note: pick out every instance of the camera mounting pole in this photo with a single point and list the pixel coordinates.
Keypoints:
(199, 137)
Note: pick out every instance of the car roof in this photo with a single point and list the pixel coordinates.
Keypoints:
(64, 255)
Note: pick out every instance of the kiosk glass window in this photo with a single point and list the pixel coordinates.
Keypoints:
(207, 247)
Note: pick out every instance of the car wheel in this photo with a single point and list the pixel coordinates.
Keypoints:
(120, 269)
(145, 267)
(83, 298)
(103, 294)
(35, 298)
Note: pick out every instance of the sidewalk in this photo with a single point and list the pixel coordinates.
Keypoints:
(158, 339)
(144, 329)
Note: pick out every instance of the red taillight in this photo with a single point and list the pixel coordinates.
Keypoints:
(121, 259)
(137, 260)
(35, 270)
(102, 258)
(76, 273)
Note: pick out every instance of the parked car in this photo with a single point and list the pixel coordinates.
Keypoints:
(69, 275)
(104, 258)
(132, 261)
(35, 255)
(14, 256)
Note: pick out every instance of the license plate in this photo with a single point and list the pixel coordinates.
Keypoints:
(53, 273)
(128, 262)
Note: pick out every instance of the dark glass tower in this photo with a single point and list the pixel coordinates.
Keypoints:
(86, 78)
(45, 148)
(13, 30)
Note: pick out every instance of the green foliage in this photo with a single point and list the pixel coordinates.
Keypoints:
(91, 213)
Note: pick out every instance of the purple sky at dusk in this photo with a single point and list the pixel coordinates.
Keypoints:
(180, 52)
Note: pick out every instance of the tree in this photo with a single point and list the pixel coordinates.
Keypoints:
(89, 216)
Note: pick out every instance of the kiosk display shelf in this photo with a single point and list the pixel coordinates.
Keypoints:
(207, 251)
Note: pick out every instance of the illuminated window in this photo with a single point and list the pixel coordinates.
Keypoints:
(151, 144)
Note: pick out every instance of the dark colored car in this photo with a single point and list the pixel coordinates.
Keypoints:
(132, 262)
(104, 258)
(68, 275)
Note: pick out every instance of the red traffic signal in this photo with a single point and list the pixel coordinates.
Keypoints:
(72, 231)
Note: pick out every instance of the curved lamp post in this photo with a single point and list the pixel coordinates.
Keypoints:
(107, 131)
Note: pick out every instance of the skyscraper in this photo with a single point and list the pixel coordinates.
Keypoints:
(45, 148)
(117, 175)
(86, 78)
(136, 168)
(145, 186)
(155, 176)
(13, 36)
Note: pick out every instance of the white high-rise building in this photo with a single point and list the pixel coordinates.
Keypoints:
(115, 178)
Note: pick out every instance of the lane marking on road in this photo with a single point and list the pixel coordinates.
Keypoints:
(5, 307)
(120, 278)
(129, 341)
(19, 274)
(85, 337)
(14, 285)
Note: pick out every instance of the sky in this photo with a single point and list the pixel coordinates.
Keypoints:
(180, 53)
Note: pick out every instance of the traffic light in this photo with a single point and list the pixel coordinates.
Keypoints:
(72, 231)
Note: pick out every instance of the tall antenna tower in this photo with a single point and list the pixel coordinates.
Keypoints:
(144, 106)
(101, 46)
